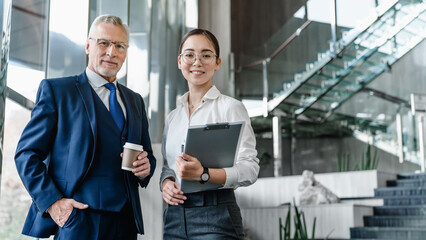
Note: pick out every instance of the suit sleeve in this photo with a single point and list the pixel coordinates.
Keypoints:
(34, 147)
(146, 143)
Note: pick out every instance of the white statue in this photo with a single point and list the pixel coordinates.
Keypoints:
(313, 192)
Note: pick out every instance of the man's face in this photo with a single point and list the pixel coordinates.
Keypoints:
(106, 60)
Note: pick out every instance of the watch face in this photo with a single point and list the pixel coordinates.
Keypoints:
(205, 177)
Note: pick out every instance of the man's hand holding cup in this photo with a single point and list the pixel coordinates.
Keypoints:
(136, 160)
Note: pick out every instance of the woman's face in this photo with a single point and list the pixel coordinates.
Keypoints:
(198, 73)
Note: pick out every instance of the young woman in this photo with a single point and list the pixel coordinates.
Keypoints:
(212, 214)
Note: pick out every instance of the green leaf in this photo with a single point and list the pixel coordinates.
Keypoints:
(313, 228)
(339, 165)
(376, 159)
(287, 231)
(300, 231)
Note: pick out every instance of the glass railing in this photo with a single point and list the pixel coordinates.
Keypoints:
(326, 61)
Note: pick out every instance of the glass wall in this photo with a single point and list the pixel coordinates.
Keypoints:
(47, 40)
(3, 65)
(66, 54)
(28, 48)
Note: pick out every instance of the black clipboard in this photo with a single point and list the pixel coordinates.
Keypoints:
(215, 146)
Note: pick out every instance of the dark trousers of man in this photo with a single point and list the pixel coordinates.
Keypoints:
(209, 215)
(96, 224)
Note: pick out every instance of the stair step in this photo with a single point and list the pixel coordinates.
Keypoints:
(411, 176)
(395, 221)
(409, 183)
(409, 210)
(389, 233)
(403, 200)
(399, 191)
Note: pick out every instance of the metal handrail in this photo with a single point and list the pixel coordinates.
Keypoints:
(279, 49)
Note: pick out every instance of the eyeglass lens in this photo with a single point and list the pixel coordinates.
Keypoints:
(104, 43)
(205, 58)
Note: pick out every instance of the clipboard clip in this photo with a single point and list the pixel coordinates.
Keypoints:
(215, 126)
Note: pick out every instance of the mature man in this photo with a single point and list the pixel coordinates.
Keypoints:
(68, 156)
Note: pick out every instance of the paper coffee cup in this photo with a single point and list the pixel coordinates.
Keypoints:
(130, 154)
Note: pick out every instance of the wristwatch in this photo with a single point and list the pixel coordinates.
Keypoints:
(205, 176)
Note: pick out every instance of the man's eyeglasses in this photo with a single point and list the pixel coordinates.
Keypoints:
(190, 57)
(103, 43)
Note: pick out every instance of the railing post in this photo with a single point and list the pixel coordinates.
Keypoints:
(265, 87)
(293, 148)
(277, 139)
(421, 144)
(333, 20)
(399, 136)
(418, 108)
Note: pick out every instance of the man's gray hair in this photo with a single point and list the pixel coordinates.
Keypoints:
(109, 19)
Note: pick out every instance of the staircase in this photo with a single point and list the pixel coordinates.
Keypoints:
(403, 215)
(309, 100)
(362, 54)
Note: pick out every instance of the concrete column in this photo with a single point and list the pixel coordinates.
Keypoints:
(157, 69)
(215, 16)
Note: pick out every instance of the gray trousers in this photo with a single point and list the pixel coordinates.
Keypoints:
(208, 215)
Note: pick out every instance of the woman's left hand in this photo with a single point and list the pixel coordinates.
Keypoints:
(188, 167)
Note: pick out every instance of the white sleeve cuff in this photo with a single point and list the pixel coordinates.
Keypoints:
(231, 177)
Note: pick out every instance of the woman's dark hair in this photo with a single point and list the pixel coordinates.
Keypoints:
(204, 32)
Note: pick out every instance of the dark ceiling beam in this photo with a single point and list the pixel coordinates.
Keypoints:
(35, 14)
(19, 99)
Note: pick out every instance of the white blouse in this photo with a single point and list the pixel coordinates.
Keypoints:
(214, 108)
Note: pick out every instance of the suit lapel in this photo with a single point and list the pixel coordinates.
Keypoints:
(127, 104)
(85, 91)
(134, 118)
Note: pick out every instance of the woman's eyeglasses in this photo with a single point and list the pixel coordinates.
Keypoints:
(190, 57)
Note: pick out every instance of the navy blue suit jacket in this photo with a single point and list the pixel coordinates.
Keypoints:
(57, 147)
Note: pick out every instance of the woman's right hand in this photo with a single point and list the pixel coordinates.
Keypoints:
(172, 193)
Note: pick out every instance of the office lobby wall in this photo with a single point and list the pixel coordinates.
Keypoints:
(253, 22)
(320, 156)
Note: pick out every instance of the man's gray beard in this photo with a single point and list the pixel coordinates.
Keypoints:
(106, 73)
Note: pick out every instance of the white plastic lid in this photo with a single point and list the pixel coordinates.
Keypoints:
(133, 146)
